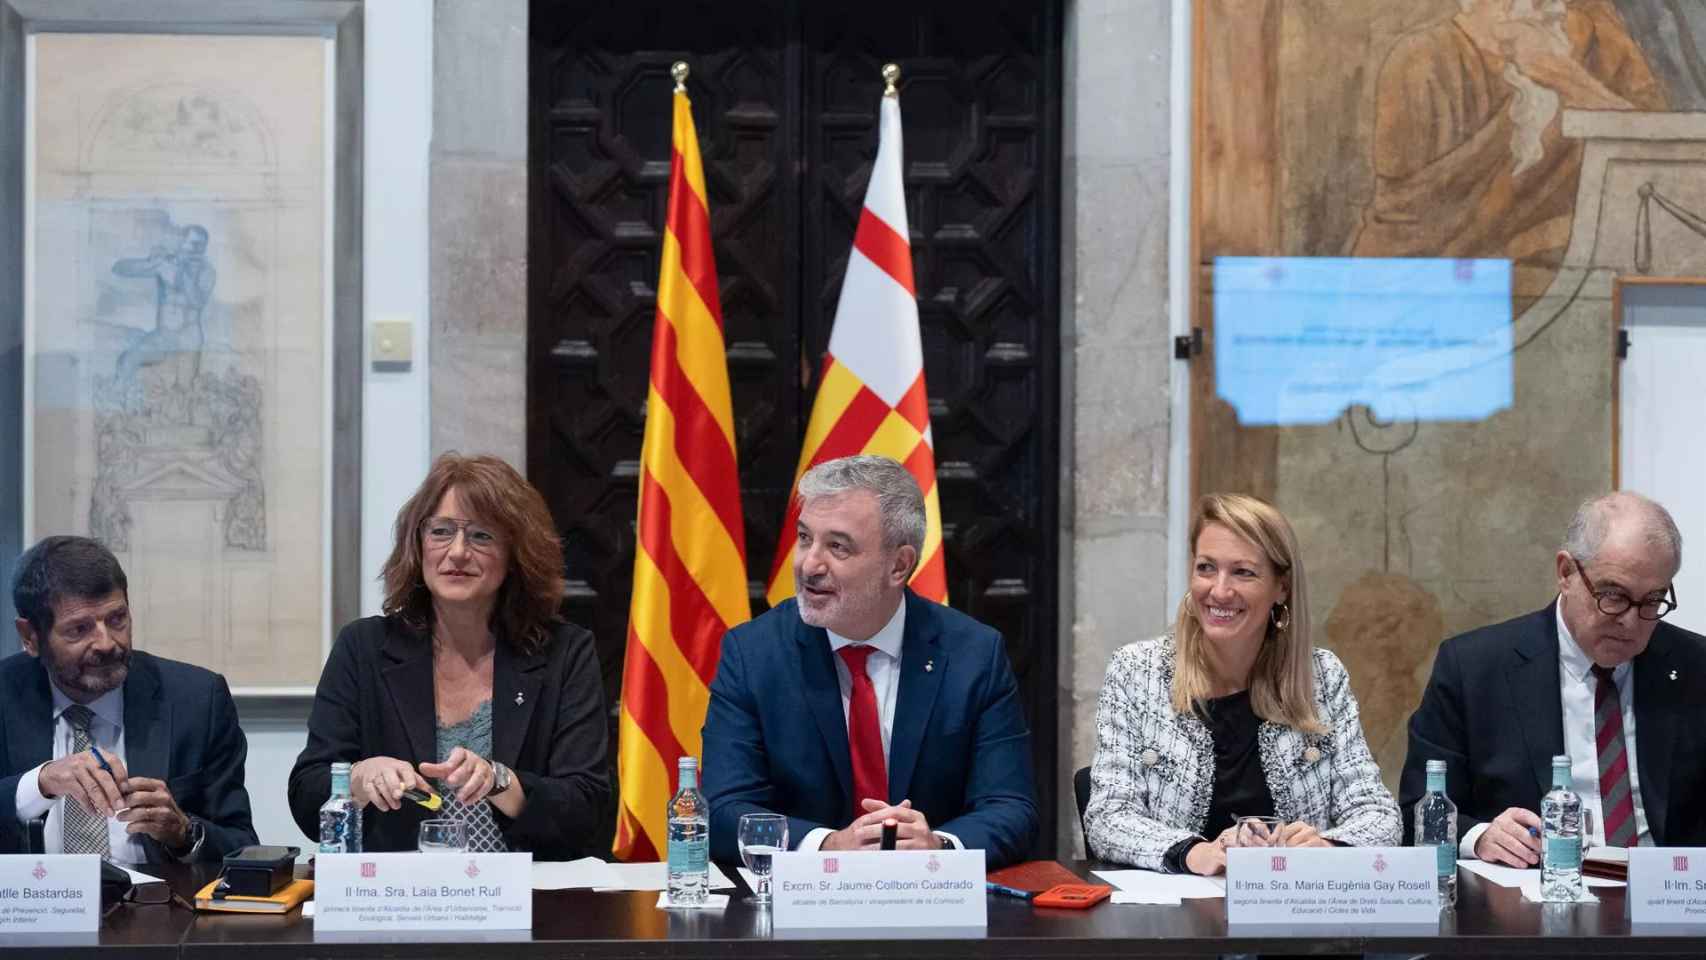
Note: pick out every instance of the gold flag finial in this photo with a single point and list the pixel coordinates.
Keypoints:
(679, 71)
(891, 76)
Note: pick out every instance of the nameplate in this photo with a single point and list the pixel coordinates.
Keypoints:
(879, 889)
(1340, 885)
(377, 892)
(1667, 885)
(57, 893)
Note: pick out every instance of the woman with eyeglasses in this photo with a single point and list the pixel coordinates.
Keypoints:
(1234, 714)
(470, 685)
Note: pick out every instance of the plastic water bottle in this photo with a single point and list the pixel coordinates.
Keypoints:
(1436, 826)
(340, 816)
(1561, 835)
(689, 838)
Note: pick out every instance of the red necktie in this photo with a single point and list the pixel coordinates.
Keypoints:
(864, 732)
(1617, 804)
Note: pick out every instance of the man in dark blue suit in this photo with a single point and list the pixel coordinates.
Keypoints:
(859, 703)
(108, 750)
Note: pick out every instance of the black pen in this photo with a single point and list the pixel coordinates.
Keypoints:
(1007, 891)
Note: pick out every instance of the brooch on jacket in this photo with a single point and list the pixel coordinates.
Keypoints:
(1316, 747)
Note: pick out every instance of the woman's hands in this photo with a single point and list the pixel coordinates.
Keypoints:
(380, 781)
(1208, 858)
(473, 777)
(468, 773)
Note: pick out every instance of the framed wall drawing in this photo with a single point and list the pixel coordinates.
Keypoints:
(188, 348)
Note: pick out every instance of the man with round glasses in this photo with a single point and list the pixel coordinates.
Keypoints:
(1583, 677)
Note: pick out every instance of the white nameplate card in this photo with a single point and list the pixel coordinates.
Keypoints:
(1338, 885)
(59, 893)
(1667, 885)
(375, 892)
(879, 888)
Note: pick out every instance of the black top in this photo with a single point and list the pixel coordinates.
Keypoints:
(1240, 786)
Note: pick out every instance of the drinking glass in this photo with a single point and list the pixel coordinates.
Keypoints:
(760, 836)
(443, 836)
(1257, 831)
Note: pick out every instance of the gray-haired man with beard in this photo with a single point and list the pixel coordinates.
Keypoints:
(113, 751)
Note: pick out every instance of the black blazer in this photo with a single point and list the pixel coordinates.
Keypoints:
(1494, 713)
(375, 699)
(180, 726)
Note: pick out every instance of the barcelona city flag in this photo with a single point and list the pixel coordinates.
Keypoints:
(689, 563)
(871, 398)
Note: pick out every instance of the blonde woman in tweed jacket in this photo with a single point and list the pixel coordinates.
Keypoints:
(1233, 713)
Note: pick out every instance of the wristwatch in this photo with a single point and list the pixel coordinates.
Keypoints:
(194, 836)
(502, 777)
(945, 842)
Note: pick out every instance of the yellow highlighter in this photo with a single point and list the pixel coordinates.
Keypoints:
(425, 798)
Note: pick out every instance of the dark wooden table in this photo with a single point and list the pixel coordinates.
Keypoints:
(1490, 921)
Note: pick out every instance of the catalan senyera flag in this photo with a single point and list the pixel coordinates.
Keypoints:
(689, 564)
(871, 398)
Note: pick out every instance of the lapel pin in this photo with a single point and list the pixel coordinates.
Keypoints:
(519, 699)
(1673, 674)
(1311, 755)
(930, 665)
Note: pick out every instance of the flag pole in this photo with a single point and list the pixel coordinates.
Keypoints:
(891, 76)
(679, 70)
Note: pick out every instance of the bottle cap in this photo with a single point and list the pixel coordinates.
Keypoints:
(1436, 766)
(340, 767)
(687, 763)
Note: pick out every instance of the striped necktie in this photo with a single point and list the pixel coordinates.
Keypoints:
(85, 832)
(1617, 803)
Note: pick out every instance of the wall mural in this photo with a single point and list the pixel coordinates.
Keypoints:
(1566, 137)
(178, 335)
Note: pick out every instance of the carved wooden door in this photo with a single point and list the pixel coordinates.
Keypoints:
(785, 97)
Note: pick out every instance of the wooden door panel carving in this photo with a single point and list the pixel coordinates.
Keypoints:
(785, 100)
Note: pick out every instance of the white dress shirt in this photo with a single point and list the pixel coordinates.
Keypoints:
(883, 667)
(1576, 685)
(107, 730)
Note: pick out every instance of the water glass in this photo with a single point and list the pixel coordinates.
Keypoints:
(443, 836)
(760, 836)
(1257, 831)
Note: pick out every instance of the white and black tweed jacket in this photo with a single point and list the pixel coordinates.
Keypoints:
(1153, 776)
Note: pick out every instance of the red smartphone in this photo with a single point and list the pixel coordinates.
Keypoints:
(1073, 896)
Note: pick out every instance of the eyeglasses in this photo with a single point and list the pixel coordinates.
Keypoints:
(441, 532)
(148, 894)
(1613, 603)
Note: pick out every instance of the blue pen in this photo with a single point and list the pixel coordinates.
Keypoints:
(1007, 891)
(107, 767)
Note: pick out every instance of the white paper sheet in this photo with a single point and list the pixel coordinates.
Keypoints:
(587, 872)
(1513, 877)
(138, 877)
(1147, 886)
(654, 876)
